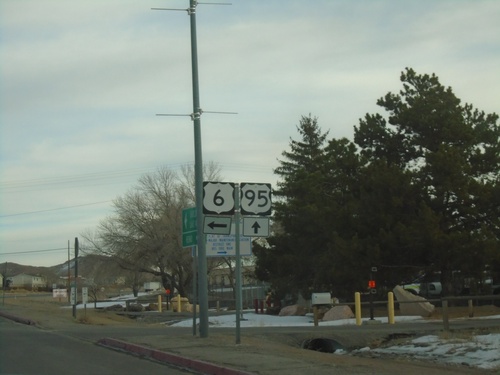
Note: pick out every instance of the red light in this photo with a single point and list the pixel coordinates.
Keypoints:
(371, 284)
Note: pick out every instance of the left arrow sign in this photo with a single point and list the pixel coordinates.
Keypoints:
(214, 225)
(217, 225)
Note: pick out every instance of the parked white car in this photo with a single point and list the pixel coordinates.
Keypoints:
(428, 289)
(432, 289)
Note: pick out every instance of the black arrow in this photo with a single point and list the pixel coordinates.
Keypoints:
(256, 227)
(213, 225)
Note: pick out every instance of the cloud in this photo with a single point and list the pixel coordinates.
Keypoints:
(82, 82)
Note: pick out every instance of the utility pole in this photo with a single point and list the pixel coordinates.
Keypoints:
(76, 278)
(68, 283)
(198, 170)
(4, 283)
(198, 177)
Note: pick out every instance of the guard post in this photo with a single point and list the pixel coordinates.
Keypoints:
(372, 285)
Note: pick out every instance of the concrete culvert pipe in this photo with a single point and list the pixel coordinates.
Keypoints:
(322, 345)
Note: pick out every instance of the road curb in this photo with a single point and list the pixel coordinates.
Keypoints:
(18, 319)
(173, 359)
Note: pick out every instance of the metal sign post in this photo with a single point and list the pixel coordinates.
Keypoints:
(372, 289)
(238, 261)
(195, 291)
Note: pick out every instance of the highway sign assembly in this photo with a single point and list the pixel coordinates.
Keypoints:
(228, 199)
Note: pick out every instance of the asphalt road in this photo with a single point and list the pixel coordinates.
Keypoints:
(30, 350)
(58, 345)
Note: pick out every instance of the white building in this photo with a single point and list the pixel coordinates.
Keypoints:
(28, 282)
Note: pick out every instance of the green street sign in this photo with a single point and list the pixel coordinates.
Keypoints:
(189, 239)
(189, 227)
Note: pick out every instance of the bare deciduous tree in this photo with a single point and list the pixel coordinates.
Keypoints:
(144, 233)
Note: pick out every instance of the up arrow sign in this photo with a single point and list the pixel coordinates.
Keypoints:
(217, 225)
(256, 226)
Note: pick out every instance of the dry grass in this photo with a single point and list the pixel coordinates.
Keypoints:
(47, 311)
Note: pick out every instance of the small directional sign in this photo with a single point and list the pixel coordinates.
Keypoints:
(217, 225)
(256, 226)
(85, 295)
(225, 246)
(189, 230)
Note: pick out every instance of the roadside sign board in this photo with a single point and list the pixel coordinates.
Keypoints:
(189, 227)
(256, 226)
(85, 295)
(255, 199)
(218, 198)
(59, 293)
(225, 246)
(189, 239)
(217, 225)
(72, 298)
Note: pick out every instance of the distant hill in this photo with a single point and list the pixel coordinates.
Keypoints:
(103, 270)
(12, 269)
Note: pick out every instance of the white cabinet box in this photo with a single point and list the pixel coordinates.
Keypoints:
(321, 299)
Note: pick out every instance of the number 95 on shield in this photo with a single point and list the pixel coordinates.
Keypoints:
(255, 199)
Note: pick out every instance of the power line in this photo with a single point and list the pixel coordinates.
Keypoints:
(85, 178)
(35, 251)
(107, 175)
(54, 209)
(79, 178)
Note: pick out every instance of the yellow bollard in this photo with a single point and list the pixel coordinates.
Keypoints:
(179, 309)
(357, 307)
(159, 302)
(390, 307)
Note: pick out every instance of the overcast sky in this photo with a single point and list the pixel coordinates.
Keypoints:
(81, 82)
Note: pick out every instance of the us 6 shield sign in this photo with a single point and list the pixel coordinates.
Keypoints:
(218, 198)
(255, 199)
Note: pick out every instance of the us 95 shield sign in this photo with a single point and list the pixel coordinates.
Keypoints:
(255, 199)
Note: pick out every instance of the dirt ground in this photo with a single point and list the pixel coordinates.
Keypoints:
(48, 313)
